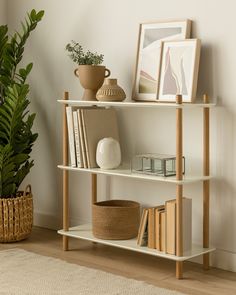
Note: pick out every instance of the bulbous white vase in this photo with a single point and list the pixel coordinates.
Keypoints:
(108, 154)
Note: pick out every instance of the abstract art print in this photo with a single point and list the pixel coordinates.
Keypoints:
(147, 72)
(179, 70)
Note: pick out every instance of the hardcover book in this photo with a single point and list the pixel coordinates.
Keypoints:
(171, 225)
(82, 143)
(71, 137)
(163, 230)
(152, 226)
(158, 212)
(97, 124)
(77, 141)
(143, 229)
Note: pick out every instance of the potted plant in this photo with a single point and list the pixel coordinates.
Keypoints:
(90, 71)
(16, 136)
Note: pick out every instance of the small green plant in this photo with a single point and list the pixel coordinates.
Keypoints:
(77, 54)
(16, 136)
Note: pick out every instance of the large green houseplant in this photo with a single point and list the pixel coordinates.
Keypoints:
(16, 136)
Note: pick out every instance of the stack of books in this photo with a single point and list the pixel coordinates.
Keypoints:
(86, 126)
(157, 228)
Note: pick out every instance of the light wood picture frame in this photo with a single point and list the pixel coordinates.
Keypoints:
(179, 70)
(148, 60)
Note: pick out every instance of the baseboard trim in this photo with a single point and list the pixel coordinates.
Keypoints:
(220, 258)
(53, 222)
(46, 220)
(224, 260)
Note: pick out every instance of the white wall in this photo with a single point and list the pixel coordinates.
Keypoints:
(3, 12)
(111, 27)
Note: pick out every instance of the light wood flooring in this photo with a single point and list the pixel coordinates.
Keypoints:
(153, 270)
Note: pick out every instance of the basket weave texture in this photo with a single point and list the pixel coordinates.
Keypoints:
(115, 219)
(16, 217)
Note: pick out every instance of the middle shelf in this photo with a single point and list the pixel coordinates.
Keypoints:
(126, 172)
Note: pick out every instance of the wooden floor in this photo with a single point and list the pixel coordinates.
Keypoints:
(153, 270)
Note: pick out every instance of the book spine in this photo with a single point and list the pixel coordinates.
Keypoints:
(81, 133)
(144, 230)
(151, 228)
(157, 229)
(71, 135)
(85, 139)
(163, 231)
(171, 228)
(187, 224)
(139, 230)
(77, 139)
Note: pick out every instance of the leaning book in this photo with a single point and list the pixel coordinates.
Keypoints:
(143, 229)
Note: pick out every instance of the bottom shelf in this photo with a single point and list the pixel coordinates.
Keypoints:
(84, 232)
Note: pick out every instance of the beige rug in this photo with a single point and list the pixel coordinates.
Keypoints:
(23, 272)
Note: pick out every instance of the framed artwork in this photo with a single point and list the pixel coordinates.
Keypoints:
(151, 36)
(179, 70)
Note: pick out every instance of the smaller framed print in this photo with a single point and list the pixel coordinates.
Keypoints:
(179, 70)
(148, 62)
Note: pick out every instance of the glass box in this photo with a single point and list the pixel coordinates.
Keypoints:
(155, 164)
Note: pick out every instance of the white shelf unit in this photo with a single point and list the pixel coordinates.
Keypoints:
(84, 231)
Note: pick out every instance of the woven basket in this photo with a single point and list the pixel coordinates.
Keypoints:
(115, 219)
(16, 217)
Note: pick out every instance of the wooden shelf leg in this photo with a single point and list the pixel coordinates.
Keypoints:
(65, 177)
(94, 188)
(179, 270)
(179, 188)
(94, 192)
(65, 241)
(206, 183)
(65, 210)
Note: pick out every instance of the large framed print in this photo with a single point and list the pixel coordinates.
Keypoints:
(147, 71)
(179, 70)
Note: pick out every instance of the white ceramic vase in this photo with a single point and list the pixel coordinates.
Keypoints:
(108, 155)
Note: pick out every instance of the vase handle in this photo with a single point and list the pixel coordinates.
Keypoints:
(76, 72)
(27, 190)
(108, 73)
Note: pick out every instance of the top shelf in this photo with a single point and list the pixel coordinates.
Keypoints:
(135, 104)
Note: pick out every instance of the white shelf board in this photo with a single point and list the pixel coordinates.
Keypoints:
(84, 232)
(126, 172)
(129, 103)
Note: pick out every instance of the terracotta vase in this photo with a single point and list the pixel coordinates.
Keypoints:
(110, 91)
(91, 78)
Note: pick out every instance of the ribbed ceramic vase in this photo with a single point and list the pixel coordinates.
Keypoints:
(110, 91)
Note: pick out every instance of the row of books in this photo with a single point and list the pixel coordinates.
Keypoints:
(157, 228)
(86, 126)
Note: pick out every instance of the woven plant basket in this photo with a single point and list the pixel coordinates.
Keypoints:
(16, 216)
(115, 219)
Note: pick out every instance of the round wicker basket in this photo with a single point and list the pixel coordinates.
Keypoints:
(115, 219)
(16, 216)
